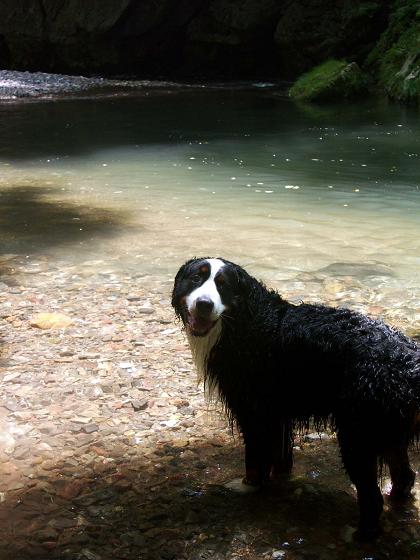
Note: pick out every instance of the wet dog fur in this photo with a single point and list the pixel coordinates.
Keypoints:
(277, 367)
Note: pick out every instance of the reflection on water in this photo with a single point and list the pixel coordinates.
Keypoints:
(292, 192)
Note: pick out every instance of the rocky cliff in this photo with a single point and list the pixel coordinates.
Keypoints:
(204, 38)
(223, 39)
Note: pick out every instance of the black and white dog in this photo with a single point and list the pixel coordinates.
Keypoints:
(278, 366)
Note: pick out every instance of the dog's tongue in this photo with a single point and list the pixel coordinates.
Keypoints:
(200, 325)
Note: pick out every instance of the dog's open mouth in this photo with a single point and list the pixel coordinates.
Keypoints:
(199, 326)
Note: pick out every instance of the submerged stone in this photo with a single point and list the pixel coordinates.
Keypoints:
(51, 321)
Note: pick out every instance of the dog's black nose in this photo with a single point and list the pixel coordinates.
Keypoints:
(204, 306)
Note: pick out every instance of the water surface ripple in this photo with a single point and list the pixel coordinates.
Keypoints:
(322, 202)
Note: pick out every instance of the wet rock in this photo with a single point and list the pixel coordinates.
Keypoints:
(357, 270)
(69, 490)
(63, 523)
(88, 356)
(82, 419)
(66, 352)
(16, 486)
(49, 535)
(133, 538)
(90, 428)
(96, 497)
(145, 310)
(315, 436)
(21, 454)
(11, 376)
(347, 533)
(134, 298)
(89, 555)
(13, 406)
(51, 321)
(140, 404)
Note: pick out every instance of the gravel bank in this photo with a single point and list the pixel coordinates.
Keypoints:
(107, 449)
(20, 85)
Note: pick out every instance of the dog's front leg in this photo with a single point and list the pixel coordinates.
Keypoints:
(258, 456)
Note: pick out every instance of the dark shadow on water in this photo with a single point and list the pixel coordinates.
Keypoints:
(33, 219)
(66, 128)
(172, 505)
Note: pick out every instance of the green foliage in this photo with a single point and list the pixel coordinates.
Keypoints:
(396, 58)
(331, 79)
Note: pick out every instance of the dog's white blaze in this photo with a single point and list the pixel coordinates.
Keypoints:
(202, 345)
(209, 289)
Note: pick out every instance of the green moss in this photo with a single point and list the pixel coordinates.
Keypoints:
(396, 58)
(331, 79)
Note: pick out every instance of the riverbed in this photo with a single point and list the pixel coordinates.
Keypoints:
(102, 198)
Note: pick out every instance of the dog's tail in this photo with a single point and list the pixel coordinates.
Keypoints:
(416, 419)
(416, 428)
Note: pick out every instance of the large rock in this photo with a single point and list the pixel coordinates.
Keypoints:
(332, 80)
(145, 37)
(94, 35)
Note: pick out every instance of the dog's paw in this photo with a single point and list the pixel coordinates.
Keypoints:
(241, 486)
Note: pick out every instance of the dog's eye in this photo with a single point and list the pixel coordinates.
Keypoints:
(196, 278)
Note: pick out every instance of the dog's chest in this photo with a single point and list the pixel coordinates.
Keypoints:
(201, 348)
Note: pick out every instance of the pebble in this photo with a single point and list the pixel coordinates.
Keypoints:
(51, 321)
(90, 428)
(347, 533)
(314, 436)
(145, 310)
(16, 486)
(278, 554)
(89, 555)
(140, 404)
(88, 356)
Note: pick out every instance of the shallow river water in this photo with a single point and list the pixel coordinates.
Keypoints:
(101, 200)
(147, 181)
(144, 182)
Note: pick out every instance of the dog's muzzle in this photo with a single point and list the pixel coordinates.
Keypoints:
(201, 317)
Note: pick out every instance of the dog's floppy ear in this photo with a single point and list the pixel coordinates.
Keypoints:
(177, 280)
(245, 286)
(178, 277)
(249, 290)
(244, 280)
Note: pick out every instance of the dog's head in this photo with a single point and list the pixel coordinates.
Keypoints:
(206, 290)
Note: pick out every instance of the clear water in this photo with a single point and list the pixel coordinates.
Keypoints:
(304, 197)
